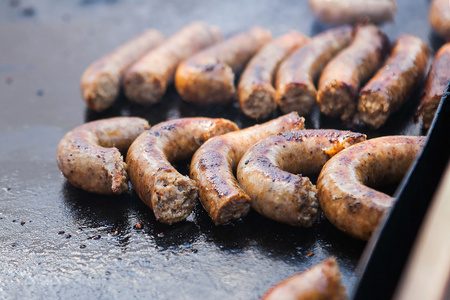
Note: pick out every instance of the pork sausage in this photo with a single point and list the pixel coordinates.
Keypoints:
(271, 171)
(90, 157)
(160, 186)
(439, 17)
(213, 164)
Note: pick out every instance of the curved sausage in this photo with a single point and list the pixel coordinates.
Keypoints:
(90, 157)
(208, 76)
(439, 17)
(100, 82)
(322, 281)
(296, 90)
(435, 84)
(213, 164)
(344, 184)
(395, 81)
(160, 186)
(268, 172)
(340, 80)
(255, 89)
(340, 12)
(147, 79)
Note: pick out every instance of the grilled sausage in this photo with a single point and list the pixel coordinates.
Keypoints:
(340, 12)
(295, 79)
(255, 89)
(213, 164)
(208, 76)
(100, 82)
(340, 80)
(160, 186)
(394, 82)
(439, 17)
(147, 80)
(268, 172)
(344, 183)
(322, 281)
(90, 157)
(435, 84)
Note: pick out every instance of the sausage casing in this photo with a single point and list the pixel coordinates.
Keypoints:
(208, 76)
(100, 82)
(340, 80)
(147, 79)
(435, 84)
(255, 90)
(160, 186)
(344, 184)
(395, 81)
(271, 171)
(90, 157)
(296, 90)
(213, 164)
(439, 17)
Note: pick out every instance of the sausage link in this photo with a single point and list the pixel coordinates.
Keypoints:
(213, 164)
(100, 82)
(340, 80)
(268, 172)
(295, 79)
(255, 89)
(90, 157)
(208, 76)
(322, 281)
(344, 184)
(160, 186)
(395, 81)
(435, 84)
(439, 17)
(147, 80)
(340, 12)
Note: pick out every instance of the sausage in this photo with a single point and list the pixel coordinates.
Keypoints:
(90, 157)
(340, 12)
(100, 82)
(158, 184)
(344, 184)
(435, 84)
(340, 80)
(321, 281)
(255, 89)
(268, 172)
(208, 76)
(147, 80)
(439, 17)
(395, 81)
(213, 164)
(295, 80)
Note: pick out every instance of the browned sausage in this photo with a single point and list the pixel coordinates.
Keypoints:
(147, 80)
(344, 183)
(435, 84)
(168, 193)
(439, 17)
(100, 82)
(395, 81)
(208, 76)
(340, 80)
(270, 172)
(213, 164)
(90, 157)
(255, 90)
(295, 81)
(340, 12)
(322, 281)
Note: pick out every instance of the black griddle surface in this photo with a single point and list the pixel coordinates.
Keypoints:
(44, 48)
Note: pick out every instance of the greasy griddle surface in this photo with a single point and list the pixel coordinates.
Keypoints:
(100, 254)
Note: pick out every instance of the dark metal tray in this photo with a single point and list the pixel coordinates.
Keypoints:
(45, 47)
